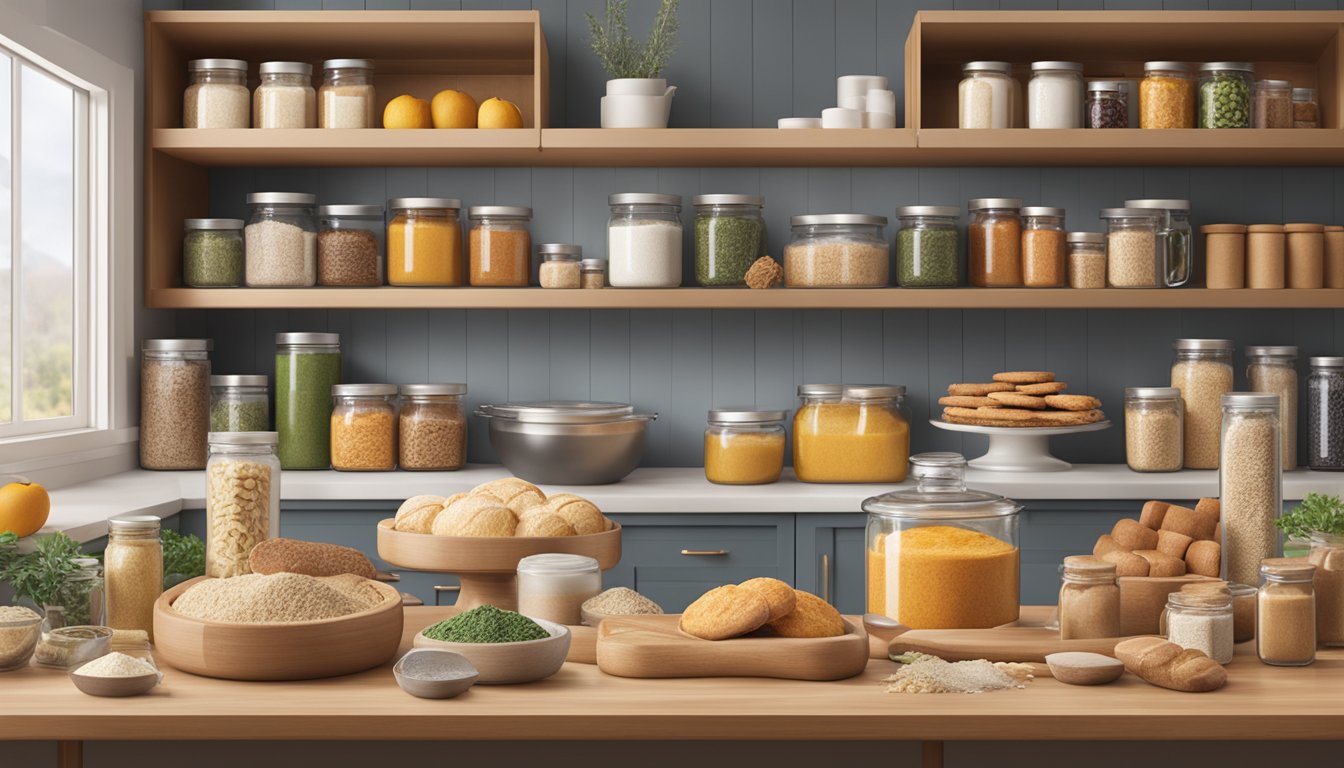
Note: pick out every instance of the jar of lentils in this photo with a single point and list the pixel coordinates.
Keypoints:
(644, 240)
(285, 97)
(1225, 94)
(837, 250)
(1132, 257)
(1250, 483)
(928, 247)
(364, 427)
(281, 240)
(216, 95)
(1087, 259)
(729, 238)
(350, 245)
(995, 235)
(212, 253)
(500, 246)
(240, 403)
(174, 403)
(1107, 104)
(1043, 257)
(1325, 414)
(1202, 371)
(1166, 95)
(1154, 427)
(432, 429)
(559, 265)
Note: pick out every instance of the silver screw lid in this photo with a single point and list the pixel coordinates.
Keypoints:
(1041, 210)
(348, 64)
(1272, 351)
(1327, 362)
(199, 64)
(821, 390)
(757, 200)
(243, 438)
(414, 390)
(1166, 66)
(643, 198)
(430, 203)
(350, 210)
(1096, 238)
(1251, 399)
(1202, 344)
(363, 390)
(863, 219)
(212, 223)
(240, 380)
(989, 203)
(499, 212)
(285, 68)
(874, 391)
(1056, 66)
(1227, 66)
(951, 211)
(177, 345)
(593, 265)
(1160, 203)
(1002, 67)
(746, 415)
(281, 198)
(307, 339)
(1152, 393)
(571, 249)
(134, 523)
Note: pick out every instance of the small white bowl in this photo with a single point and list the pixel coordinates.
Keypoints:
(115, 686)
(508, 663)
(458, 675)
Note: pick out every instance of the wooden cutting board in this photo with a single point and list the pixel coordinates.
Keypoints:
(653, 647)
(998, 644)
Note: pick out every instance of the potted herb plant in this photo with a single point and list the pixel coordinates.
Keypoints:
(637, 95)
(1317, 515)
(56, 577)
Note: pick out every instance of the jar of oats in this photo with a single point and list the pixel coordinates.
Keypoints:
(364, 427)
(132, 571)
(242, 499)
(1154, 419)
(1250, 483)
(1202, 372)
(1274, 370)
(432, 428)
(174, 403)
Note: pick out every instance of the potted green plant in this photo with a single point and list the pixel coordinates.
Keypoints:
(637, 95)
(1317, 515)
(54, 576)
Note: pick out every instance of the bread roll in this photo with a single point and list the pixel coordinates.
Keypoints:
(1152, 514)
(1170, 666)
(1173, 543)
(1161, 564)
(1132, 535)
(515, 493)
(309, 558)
(579, 512)
(1204, 558)
(416, 514)
(1210, 506)
(543, 524)
(1105, 543)
(1127, 563)
(1196, 525)
(476, 516)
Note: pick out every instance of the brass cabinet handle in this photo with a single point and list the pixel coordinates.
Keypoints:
(826, 577)
(442, 588)
(704, 552)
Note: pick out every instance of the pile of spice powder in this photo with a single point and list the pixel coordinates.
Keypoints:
(277, 598)
(117, 664)
(922, 673)
(486, 624)
(621, 601)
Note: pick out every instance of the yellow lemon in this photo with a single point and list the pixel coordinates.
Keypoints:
(406, 111)
(498, 113)
(23, 508)
(453, 109)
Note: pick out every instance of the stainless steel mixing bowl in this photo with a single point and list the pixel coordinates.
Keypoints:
(567, 443)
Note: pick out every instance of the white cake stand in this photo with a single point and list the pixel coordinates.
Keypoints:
(1020, 449)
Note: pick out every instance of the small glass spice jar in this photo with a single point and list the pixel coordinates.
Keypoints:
(593, 273)
(1285, 631)
(1132, 256)
(1089, 599)
(280, 240)
(1273, 104)
(1327, 554)
(364, 427)
(729, 238)
(500, 246)
(242, 500)
(995, 235)
(216, 95)
(1043, 248)
(560, 265)
(1306, 109)
(985, 96)
(132, 571)
(1055, 95)
(1273, 369)
(285, 97)
(837, 250)
(928, 247)
(1202, 371)
(1325, 414)
(240, 403)
(1225, 94)
(744, 446)
(1154, 426)
(1107, 104)
(644, 240)
(1201, 621)
(1087, 259)
(212, 253)
(346, 98)
(1166, 95)
(1174, 237)
(431, 427)
(1305, 261)
(555, 586)
(1266, 260)
(174, 403)
(1224, 256)
(424, 242)
(1250, 483)
(350, 245)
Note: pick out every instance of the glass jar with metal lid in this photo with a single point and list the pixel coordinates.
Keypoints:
(928, 247)
(941, 556)
(744, 446)
(240, 403)
(307, 366)
(1273, 369)
(1175, 237)
(567, 442)
(1202, 371)
(500, 249)
(242, 500)
(1133, 259)
(364, 427)
(593, 273)
(995, 235)
(1087, 259)
(174, 403)
(1055, 95)
(1089, 599)
(1043, 248)
(212, 253)
(1325, 414)
(1201, 621)
(985, 95)
(1154, 429)
(1272, 104)
(350, 245)
(346, 98)
(1166, 95)
(424, 242)
(431, 427)
(809, 396)
(644, 240)
(1250, 483)
(133, 571)
(729, 238)
(281, 240)
(837, 250)
(1107, 104)
(1225, 94)
(1306, 109)
(285, 97)
(216, 95)
(863, 437)
(560, 265)
(1286, 613)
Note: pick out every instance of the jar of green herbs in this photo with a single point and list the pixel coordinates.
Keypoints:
(729, 237)
(928, 247)
(212, 253)
(240, 404)
(307, 366)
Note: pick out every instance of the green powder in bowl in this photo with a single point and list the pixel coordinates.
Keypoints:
(486, 624)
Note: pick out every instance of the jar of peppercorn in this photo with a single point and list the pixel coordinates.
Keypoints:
(1107, 104)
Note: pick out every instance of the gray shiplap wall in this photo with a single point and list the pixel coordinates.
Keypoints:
(742, 63)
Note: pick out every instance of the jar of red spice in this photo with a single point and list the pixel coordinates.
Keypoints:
(1043, 248)
(500, 246)
(996, 242)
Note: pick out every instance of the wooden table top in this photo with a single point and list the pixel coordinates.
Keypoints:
(581, 703)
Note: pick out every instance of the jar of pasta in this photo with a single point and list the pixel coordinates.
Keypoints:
(424, 242)
(242, 500)
(432, 429)
(744, 446)
(862, 438)
(1166, 95)
(501, 246)
(995, 234)
(364, 427)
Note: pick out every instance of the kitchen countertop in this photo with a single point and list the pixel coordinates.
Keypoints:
(82, 510)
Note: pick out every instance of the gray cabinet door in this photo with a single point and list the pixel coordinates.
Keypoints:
(830, 559)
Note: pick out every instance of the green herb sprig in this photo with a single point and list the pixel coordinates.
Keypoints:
(621, 56)
(183, 557)
(43, 575)
(1317, 513)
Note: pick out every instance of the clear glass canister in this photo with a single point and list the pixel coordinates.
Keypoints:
(1154, 426)
(240, 403)
(1286, 613)
(346, 98)
(941, 556)
(132, 571)
(1272, 106)
(928, 247)
(554, 586)
(1089, 599)
(1132, 256)
(212, 253)
(500, 250)
(242, 500)
(995, 235)
(1250, 483)
(809, 396)
(593, 273)
(1166, 95)
(729, 238)
(216, 95)
(424, 242)
(350, 245)
(863, 437)
(1202, 371)
(174, 403)
(1327, 554)
(1055, 95)
(1274, 370)
(1175, 237)
(281, 240)
(1325, 414)
(560, 265)
(837, 250)
(1043, 248)
(285, 97)
(985, 95)
(307, 366)
(644, 240)
(1201, 621)
(744, 446)
(431, 427)
(1107, 104)
(1306, 109)
(1087, 259)
(1225, 94)
(364, 427)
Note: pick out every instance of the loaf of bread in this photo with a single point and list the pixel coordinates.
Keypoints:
(1170, 666)
(309, 558)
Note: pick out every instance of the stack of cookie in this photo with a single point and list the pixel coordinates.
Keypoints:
(1019, 399)
(735, 610)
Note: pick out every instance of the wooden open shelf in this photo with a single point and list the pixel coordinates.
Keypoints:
(348, 147)
(728, 147)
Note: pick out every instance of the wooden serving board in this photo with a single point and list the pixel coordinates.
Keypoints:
(653, 647)
(998, 644)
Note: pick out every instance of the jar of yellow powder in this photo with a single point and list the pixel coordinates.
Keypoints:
(424, 242)
(942, 556)
(861, 437)
(744, 446)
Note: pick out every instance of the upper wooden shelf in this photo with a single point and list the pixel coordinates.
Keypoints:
(728, 147)
(348, 146)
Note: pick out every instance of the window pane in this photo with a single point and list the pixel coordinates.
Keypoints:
(47, 230)
(6, 230)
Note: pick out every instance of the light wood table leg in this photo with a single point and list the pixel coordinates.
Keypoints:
(69, 754)
(933, 754)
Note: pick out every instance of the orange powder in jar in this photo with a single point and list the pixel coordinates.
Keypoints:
(744, 458)
(850, 443)
(945, 577)
(996, 253)
(424, 248)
